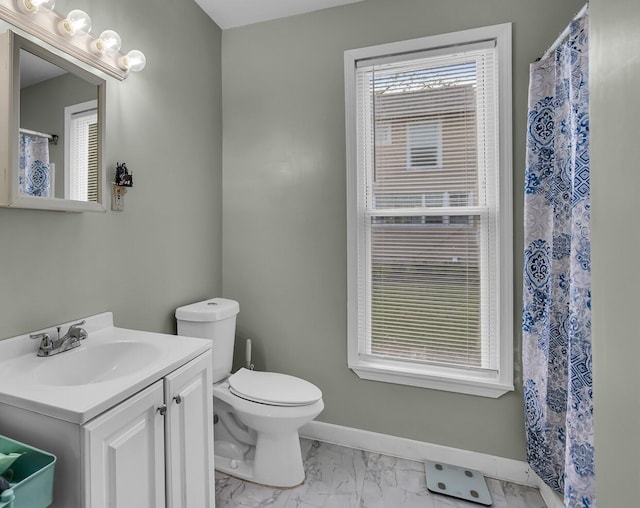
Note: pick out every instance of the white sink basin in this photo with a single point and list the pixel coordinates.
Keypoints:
(77, 385)
(102, 362)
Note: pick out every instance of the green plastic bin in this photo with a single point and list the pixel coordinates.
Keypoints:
(32, 481)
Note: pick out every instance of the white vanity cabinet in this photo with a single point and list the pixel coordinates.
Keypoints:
(124, 454)
(189, 435)
(128, 414)
(152, 448)
(157, 443)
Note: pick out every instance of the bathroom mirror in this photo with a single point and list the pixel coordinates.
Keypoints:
(52, 131)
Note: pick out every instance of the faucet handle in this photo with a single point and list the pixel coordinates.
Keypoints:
(77, 333)
(45, 341)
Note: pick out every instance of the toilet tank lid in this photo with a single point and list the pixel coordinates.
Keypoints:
(214, 309)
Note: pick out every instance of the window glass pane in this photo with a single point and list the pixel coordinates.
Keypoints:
(432, 112)
(426, 291)
(424, 145)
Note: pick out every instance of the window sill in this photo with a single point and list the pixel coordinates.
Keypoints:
(438, 378)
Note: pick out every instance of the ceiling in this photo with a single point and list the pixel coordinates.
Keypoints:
(233, 13)
(34, 69)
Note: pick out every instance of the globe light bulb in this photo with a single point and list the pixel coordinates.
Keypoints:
(77, 22)
(33, 6)
(134, 61)
(109, 42)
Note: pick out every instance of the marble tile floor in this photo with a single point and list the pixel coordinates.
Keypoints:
(340, 477)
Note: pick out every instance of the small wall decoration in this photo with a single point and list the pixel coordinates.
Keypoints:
(123, 177)
(122, 180)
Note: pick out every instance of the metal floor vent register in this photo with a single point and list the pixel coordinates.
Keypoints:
(460, 482)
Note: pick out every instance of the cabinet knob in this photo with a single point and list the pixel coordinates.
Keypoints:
(162, 409)
(178, 399)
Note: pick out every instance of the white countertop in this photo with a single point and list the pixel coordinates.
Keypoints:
(21, 386)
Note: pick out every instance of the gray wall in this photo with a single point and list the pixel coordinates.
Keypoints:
(164, 250)
(615, 109)
(284, 241)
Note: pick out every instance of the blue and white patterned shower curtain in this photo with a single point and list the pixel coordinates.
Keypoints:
(35, 170)
(557, 273)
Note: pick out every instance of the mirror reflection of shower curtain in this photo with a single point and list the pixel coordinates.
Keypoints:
(35, 177)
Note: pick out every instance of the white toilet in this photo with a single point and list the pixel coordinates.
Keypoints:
(256, 414)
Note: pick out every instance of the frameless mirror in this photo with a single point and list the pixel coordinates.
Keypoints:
(55, 129)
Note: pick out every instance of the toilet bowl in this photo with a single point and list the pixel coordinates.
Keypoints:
(258, 440)
(257, 415)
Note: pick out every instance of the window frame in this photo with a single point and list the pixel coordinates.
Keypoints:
(455, 379)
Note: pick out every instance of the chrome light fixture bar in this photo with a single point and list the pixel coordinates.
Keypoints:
(71, 34)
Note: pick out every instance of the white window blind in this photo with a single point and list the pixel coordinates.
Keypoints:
(428, 217)
(92, 163)
(83, 145)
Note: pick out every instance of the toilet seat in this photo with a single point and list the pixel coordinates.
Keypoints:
(273, 389)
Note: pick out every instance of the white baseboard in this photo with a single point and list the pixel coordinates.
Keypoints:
(501, 468)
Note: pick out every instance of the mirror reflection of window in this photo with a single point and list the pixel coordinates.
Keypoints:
(81, 139)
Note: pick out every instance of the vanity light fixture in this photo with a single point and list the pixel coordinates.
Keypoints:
(77, 22)
(33, 6)
(134, 61)
(108, 43)
(72, 35)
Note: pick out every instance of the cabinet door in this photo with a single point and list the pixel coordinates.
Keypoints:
(123, 454)
(189, 445)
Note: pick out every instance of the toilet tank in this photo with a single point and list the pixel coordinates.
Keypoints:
(213, 319)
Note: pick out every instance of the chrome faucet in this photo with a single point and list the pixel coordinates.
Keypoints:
(70, 340)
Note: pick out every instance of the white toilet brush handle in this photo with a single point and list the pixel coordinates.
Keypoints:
(247, 356)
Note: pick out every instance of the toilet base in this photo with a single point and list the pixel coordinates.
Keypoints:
(285, 473)
(242, 469)
(258, 442)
